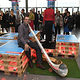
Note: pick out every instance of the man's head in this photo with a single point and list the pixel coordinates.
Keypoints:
(33, 10)
(22, 11)
(12, 12)
(58, 13)
(66, 10)
(68, 13)
(26, 18)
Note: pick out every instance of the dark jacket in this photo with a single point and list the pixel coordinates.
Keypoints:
(7, 21)
(2, 22)
(68, 23)
(12, 20)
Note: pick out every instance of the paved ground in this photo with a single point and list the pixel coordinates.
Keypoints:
(27, 76)
(34, 77)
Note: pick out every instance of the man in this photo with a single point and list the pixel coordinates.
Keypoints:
(58, 23)
(48, 20)
(18, 20)
(40, 19)
(25, 43)
(35, 19)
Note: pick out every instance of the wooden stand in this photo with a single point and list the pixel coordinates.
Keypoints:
(32, 37)
(13, 63)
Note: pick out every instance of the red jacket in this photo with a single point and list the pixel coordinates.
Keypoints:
(49, 15)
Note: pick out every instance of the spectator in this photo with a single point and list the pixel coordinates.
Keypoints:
(7, 21)
(22, 15)
(68, 23)
(78, 20)
(58, 22)
(40, 20)
(12, 19)
(48, 20)
(35, 19)
(2, 20)
(31, 17)
(18, 21)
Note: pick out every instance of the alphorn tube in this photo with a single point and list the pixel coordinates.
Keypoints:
(60, 69)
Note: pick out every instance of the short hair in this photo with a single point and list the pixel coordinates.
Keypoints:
(68, 12)
(23, 10)
(12, 10)
(26, 15)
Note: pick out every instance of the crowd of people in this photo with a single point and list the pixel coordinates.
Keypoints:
(10, 21)
(44, 21)
(47, 22)
(66, 21)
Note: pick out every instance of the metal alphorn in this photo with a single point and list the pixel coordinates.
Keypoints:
(60, 68)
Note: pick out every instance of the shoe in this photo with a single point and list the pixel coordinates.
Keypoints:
(30, 64)
(43, 40)
(40, 66)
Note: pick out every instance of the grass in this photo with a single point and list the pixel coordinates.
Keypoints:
(74, 71)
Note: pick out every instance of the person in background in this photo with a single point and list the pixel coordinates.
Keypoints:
(22, 15)
(40, 20)
(26, 43)
(18, 21)
(48, 21)
(65, 13)
(31, 17)
(74, 19)
(77, 20)
(35, 19)
(12, 19)
(67, 23)
(58, 23)
(7, 21)
(2, 20)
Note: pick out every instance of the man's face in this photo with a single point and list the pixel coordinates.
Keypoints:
(26, 20)
(68, 14)
(22, 11)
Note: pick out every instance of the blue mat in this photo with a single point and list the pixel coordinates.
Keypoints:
(67, 38)
(31, 35)
(9, 36)
(11, 47)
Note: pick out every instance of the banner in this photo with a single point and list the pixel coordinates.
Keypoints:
(51, 3)
(15, 5)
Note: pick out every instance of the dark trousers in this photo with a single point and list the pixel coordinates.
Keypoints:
(16, 27)
(57, 29)
(48, 30)
(66, 33)
(35, 46)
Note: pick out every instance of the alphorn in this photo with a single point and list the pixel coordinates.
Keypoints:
(58, 66)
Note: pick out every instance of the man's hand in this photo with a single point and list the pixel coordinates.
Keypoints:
(26, 47)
